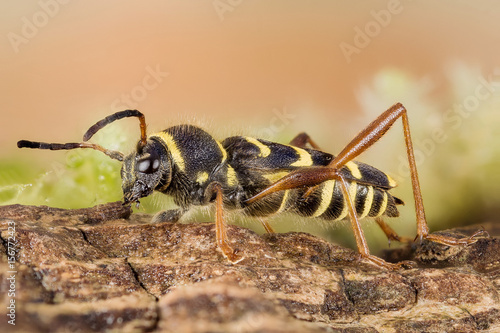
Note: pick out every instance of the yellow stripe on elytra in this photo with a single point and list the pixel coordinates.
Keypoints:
(368, 202)
(170, 144)
(392, 182)
(265, 151)
(326, 197)
(275, 176)
(383, 206)
(305, 158)
(353, 167)
(232, 179)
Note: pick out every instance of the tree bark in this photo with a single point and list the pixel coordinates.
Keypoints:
(103, 269)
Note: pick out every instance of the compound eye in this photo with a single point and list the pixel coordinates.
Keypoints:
(148, 165)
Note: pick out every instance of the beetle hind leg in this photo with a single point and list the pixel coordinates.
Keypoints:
(390, 233)
(313, 176)
(456, 241)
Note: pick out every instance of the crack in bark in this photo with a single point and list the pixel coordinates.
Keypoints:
(84, 235)
(473, 318)
(344, 288)
(361, 290)
(157, 309)
(136, 276)
(137, 279)
(134, 272)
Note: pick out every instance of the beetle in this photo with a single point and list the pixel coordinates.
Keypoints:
(262, 178)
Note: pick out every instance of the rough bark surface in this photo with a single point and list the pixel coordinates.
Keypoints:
(102, 269)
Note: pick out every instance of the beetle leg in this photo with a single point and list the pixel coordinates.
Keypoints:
(269, 229)
(220, 226)
(302, 140)
(171, 215)
(390, 233)
(312, 176)
(371, 134)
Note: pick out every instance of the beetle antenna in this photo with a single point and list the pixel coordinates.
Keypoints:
(116, 155)
(116, 116)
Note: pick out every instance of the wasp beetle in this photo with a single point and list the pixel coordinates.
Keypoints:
(262, 178)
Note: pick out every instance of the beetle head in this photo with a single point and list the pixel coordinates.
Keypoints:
(145, 170)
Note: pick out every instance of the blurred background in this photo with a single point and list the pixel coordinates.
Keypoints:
(267, 69)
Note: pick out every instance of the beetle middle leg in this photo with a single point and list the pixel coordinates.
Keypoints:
(302, 140)
(269, 229)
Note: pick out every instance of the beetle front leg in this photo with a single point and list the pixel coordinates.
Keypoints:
(220, 224)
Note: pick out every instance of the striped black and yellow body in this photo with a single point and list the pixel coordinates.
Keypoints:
(192, 160)
(259, 163)
(262, 178)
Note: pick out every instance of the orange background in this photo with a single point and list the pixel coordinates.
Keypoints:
(248, 67)
(232, 67)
